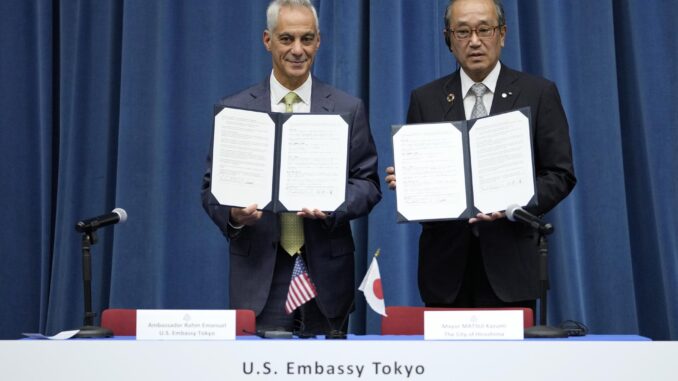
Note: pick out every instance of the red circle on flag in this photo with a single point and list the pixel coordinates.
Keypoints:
(376, 288)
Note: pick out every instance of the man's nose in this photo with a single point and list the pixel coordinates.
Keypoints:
(475, 39)
(297, 48)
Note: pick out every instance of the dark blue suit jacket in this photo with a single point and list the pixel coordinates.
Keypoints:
(329, 243)
(509, 249)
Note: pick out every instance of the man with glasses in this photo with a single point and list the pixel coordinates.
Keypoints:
(488, 261)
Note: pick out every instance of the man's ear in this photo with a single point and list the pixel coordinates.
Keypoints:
(266, 39)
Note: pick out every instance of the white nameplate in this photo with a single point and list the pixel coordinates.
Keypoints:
(186, 325)
(473, 325)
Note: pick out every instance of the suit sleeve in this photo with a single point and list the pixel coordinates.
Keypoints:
(414, 110)
(363, 191)
(553, 152)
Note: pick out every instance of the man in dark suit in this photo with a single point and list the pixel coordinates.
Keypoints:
(260, 268)
(489, 261)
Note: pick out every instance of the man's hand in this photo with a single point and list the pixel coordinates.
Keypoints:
(486, 217)
(314, 214)
(390, 177)
(245, 216)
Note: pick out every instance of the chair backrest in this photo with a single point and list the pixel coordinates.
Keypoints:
(123, 322)
(408, 320)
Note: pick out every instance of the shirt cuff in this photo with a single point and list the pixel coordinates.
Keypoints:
(237, 227)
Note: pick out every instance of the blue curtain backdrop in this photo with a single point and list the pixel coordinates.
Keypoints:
(108, 104)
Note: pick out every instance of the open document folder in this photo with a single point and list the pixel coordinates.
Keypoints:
(281, 162)
(454, 170)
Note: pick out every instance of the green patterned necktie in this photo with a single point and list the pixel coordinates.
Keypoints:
(291, 225)
(290, 99)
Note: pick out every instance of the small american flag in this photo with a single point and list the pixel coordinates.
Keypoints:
(301, 288)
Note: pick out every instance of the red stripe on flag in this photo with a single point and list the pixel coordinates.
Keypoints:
(301, 288)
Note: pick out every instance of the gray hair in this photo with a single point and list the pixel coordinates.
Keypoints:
(498, 6)
(273, 12)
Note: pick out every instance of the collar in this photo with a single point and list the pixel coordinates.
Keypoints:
(490, 81)
(278, 91)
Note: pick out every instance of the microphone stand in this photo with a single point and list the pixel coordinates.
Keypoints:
(542, 330)
(339, 334)
(89, 330)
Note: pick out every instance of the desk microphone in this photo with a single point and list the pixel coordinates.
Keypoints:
(338, 333)
(516, 213)
(117, 215)
(275, 334)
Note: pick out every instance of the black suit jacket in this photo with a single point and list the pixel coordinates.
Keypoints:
(509, 249)
(328, 244)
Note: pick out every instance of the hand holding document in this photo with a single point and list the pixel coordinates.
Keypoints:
(455, 170)
(281, 162)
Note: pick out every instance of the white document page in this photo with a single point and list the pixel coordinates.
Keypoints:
(313, 162)
(63, 335)
(242, 158)
(501, 161)
(429, 162)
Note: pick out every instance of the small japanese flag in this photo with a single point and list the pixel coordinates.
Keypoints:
(371, 287)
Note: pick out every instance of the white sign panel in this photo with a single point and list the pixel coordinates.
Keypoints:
(186, 325)
(473, 325)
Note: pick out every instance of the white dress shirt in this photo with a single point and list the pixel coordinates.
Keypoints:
(470, 99)
(278, 92)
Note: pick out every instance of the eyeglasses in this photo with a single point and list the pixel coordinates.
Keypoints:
(465, 33)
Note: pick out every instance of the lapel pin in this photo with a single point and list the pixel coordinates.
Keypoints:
(450, 98)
